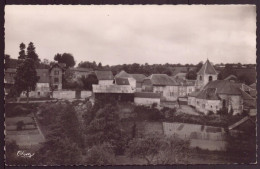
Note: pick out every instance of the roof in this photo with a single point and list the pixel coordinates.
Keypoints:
(181, 74)
(185, 82)
(224, 87)
(208, 94)
(207, 68)
(147, 95)
(44, 75)
(104, 75)
(123, 74)
(60, 65)
(246, 96)
(80, 69)
(122, 81)
(162, 80)
(194, 94)
(138, 77)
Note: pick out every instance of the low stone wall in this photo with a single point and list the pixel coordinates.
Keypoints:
(86, 94)
(70, 94)
(64, 94)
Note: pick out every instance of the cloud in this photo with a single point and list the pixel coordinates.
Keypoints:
(142, 34)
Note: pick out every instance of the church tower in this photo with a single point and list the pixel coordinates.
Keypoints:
(206, 74)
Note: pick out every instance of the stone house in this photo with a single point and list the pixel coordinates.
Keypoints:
(219, 94)
(161, 83)
(105, 77)
(55, 76)
(139, 81)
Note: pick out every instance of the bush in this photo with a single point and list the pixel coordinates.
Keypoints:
(18, 110)
(210, 113)
(146, 113)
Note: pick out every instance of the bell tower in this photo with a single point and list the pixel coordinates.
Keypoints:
(206, 74)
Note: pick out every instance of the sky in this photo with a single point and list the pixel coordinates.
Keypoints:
(124, 34)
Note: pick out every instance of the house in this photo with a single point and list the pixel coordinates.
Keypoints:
(180, 75)
(185, 87)
(105, 77)
(161, 83)
(139, 80)
(55, 76)
(43, 85)
(147, 98)
(9, 79)
(81, 72)
(219, 94)
(206, 74)
(129, 77)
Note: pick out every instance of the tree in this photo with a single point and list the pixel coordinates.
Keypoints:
(22, 54)
(228, 70)
(99, 65)
(26, 77)
(100, 155)
(31, 53)
(105, 127)
(157, 149)
(191, 75)
(199, 65)
(66, 58)
(89, 81)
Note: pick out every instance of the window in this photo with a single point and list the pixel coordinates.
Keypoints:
(200, 77)
(210, 78)
(56, 80)
(39, 93)
(56, 72)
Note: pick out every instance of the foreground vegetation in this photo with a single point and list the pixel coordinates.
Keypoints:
(82, 133)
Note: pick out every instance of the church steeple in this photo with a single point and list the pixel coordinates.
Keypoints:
(206, 74)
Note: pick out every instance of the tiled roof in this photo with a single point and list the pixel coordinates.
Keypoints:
(147, 95)
(122, 81)
(162, 80)
(123, 74)
(207, 68)
(208, 94)
(104, 75)
(138, 77)
(224, 87)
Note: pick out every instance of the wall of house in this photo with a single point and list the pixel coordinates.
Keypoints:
(192, 101)
(190, 89)
(234, 101)
(170, 93)
(105, 82)
(53, 76)
(182, 91)
(42, 87)
(146, 101)
(132, 82)
(205, 106)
